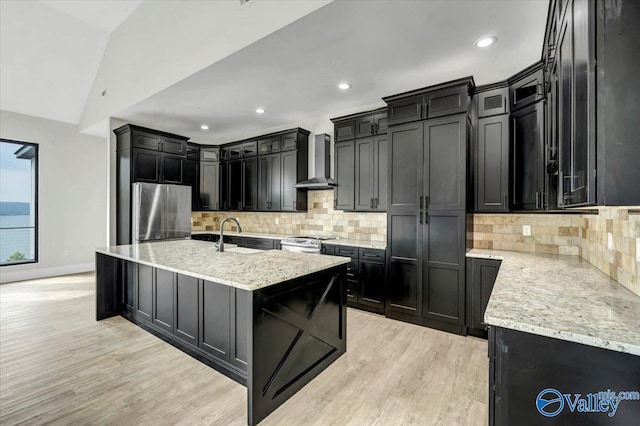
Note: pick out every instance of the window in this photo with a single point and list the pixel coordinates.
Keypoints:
(18, 202)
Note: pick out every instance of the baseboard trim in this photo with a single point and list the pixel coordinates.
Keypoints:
(32, 274)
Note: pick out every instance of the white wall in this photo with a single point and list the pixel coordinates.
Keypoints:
(162, 42)
(72, 195)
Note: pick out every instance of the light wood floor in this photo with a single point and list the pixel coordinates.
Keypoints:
(59, 366)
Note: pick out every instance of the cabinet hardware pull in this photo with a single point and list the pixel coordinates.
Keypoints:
(335, 203)
(371, 203)
(376, 201)
(421, 217)
(421, 202)
(426, 202)
(372, 129)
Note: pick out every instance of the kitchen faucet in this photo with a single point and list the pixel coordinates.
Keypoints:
(220, 244)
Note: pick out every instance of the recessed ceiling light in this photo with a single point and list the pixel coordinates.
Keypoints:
(204, 127)
(260, 110)
(344, 86)
(486, 41)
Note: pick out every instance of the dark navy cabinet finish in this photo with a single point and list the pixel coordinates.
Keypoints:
(481, 275)
(492, 164)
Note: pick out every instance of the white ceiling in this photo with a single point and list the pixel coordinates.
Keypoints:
(381, 47)
(50, 52)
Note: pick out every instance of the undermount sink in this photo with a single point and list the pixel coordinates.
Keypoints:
(242, 250)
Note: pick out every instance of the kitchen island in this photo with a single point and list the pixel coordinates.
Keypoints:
(559, 327)
(270, 320)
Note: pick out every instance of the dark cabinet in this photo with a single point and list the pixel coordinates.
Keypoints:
(361, 164)
(209, 154)
(269, 182)
(527, 158)
(344, 131)
(492, 164)
(214, 333)
(145, 140)
(405, 110)
(209, 185)
(146, 166)
(481, 275)
(426, 213)
(234, 186)
(493, 102)
(186, 309)
(290, 141)
(250, 184)
(171, 170)
(191, 178)
(192, 152)
(345, 175)
(527, 87)
(291, 172)
(269, 145)
(366, 276)
(144, 295)
(163, 300)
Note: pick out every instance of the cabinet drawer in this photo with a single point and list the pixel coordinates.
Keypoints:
(352, 290)
(372, 255)
(174, 146)
(493, 102)
(259, 243)
(452, 100)
(147, 141)
(209, 154)
(405, 110)
(345, 130)
(328, 249)
(527, 90)
(346, 251)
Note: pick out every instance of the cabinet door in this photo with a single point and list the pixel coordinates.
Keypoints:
(193, 152)
(269, 145)
(380, 123)
(174, 146)
(493, 102)
(250, 149)
(380, 172)
(215, 303)
(527, 156)
(172, 166)
(492, 169)
(146, 166)
(449, 101)
(288, 176)
(344, 130)
(527, 90)
(404, 254)
(144, 295)
(289, 141)
(209, 154)
(345, 175)
(269, 183)
(445, 163)
(234, 184)
(209, 185)
(186, 309)
(191, 178)
(405, 110)
(146, 140)
(406, 166)
(483, 276)
(372, 277)
(364, 126)
(443, 279)
(364, 184)
(163, 300)
(250, 184)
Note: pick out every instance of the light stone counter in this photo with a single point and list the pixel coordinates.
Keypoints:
(244, 271)
(563, 297)
(337, 241)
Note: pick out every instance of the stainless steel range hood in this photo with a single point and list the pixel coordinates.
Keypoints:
(322, 180)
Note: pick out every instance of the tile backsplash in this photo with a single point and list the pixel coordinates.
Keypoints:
(609, 240)
(320, 219)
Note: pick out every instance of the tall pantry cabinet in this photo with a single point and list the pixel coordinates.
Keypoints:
(426, 230)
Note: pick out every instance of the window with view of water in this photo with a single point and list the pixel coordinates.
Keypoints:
(18, 202)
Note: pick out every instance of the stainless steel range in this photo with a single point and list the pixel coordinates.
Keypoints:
(304, 244)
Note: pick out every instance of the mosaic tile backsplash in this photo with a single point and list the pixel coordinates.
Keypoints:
(320, 219)
(609, 240)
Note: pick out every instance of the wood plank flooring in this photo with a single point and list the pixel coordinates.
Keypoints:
(59, 366)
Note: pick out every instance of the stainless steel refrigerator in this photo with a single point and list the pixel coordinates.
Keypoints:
(160, 212)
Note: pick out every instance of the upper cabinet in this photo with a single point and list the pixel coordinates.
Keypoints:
(361, 161)
(527, 87)
(590, 58)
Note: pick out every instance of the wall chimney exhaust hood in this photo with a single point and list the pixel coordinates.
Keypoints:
(323, 166)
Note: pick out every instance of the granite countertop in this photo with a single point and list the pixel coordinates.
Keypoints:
(563, 297)
(336, 241)
(244, 271)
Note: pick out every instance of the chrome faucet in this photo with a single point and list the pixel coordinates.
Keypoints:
(220, 244)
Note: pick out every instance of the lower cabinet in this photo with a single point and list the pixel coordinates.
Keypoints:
(366, 276)
(481, 275)
(207, 317)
